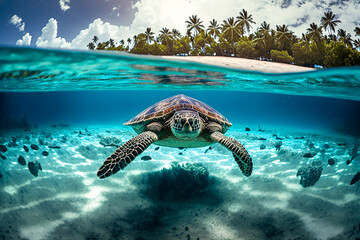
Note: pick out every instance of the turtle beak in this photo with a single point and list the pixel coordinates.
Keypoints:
(187, 127)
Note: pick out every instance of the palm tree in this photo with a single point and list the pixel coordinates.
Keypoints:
(176, 34)
(95, 39)
(122, 42)
(357, 43)
(345, 37)
(283, 35)
(165, 36)
(263, 37)
(265, 29)
(314, 32)
(245, 20)
(135, 38)
(305, 37)
(111, 41)
(149, 35)
(357, 31)
(214, 30)
(91, 46)
(329, 21)
(231, 31)
(260, 40)
(194, 25)
(129, 42)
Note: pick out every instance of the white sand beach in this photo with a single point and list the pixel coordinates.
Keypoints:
(242, 63)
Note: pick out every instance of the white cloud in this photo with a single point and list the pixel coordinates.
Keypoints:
(64, 5)
(25, 41)
(297, 14)
(17, 21)
(173, 13)
(103, 30)
(49, 39)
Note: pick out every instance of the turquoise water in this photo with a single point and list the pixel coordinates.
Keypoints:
(67, 108)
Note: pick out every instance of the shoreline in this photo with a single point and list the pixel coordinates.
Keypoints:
(242, 63)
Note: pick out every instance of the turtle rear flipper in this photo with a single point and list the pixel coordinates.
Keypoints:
(126, 153)
(240, 154)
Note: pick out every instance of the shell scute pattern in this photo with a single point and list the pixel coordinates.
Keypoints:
(172, 104)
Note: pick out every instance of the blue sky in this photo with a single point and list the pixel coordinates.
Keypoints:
(72, 23)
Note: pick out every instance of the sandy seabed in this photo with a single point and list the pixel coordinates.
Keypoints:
(68, 201)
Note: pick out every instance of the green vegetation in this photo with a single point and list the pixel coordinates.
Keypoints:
(318, 46)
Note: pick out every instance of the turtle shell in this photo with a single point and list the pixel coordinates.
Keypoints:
(167, 107)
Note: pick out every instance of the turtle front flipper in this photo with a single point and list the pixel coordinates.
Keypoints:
(126, 153)
(240, 154)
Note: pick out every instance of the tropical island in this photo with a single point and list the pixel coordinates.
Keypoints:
(321, 46)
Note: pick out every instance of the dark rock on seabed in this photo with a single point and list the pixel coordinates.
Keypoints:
(310, 173)
(22, 160)
(34, 168)
(278, 145)
(3, 148)
(26, 148)
(53, 146)
(34, 147)
(309, 155)
(331, 161)
(355, 179)
(146, 158)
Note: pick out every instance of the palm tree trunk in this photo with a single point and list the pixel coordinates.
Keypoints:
(233, 48)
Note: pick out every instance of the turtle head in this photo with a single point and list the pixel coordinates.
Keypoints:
(186, 124)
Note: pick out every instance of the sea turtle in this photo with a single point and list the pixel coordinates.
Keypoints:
(178, 121)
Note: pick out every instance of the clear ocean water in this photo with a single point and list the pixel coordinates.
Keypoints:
(62, 115)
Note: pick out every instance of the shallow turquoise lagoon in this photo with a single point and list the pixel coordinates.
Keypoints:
(62, 115)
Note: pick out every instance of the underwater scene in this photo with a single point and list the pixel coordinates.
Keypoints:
(207, 152)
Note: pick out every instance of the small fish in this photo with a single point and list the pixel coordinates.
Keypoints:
(34, 147)
(355, 179)
(157, 148)
(146, 158)
(182, 148)
(210, 148)
(21, 160)
(26, 148)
